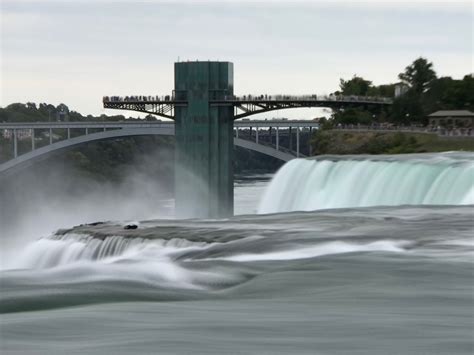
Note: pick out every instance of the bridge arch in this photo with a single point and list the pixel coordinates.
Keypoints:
(32, 157)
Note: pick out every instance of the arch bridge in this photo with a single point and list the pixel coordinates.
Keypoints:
(77, 133)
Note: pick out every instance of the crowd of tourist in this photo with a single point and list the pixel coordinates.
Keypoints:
(158, 98)
(442, 131)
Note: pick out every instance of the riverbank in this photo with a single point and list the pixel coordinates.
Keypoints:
(344, 142)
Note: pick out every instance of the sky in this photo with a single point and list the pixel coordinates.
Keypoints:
(75, 52)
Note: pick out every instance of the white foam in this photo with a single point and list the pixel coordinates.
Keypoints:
(73, 248)
(77, 258)
(306, 185)
(305, 252)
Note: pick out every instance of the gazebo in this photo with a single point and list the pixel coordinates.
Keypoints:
(452, 119)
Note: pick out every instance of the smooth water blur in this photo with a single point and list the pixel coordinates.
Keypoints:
(364, 280)
(361, 181)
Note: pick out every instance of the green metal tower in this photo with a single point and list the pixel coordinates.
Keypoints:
(204, 140)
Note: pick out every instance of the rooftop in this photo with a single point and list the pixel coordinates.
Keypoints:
(452, 113)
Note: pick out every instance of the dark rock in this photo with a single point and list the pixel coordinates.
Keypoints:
(130, 226)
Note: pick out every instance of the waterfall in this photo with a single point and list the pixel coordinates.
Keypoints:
(340, 182)
(59, 250)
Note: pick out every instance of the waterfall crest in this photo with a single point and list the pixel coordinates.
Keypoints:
(340, 182)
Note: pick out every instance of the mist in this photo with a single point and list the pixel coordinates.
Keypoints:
(56, 194)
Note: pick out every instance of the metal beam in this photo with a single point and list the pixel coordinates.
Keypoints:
(297, 142)
(277, 139)
(15, 143)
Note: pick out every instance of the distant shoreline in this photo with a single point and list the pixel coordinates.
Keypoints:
(345, 142)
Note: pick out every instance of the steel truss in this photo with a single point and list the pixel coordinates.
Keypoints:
(159, 108)
(244, 108)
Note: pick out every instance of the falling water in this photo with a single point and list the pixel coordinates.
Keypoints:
(356, 280)
(337, 182)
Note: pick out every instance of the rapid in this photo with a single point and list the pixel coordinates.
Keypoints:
(334, 255)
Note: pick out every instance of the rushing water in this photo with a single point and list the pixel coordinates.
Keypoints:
(335, 182)
(385, 274)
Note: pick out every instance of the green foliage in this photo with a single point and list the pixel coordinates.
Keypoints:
(387, 90)
(353, 116)
(459, 95)
(30, 112)
(324, 123)
(337, 142)
(407, 109)
(442, 94)
(360, 87)
(418, 75)
(426, 95)
(355, 86)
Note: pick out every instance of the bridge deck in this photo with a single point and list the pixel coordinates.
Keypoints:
(243, 106)
(37, 154)
(236, 100)
(151, 124)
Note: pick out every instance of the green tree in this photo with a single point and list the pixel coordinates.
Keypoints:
(355, 86)
(407, 109)
(418, 75)
(459, 95)
(387, 90)
(353, 116)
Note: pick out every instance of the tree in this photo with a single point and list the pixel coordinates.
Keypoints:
(460, 95)
(418, 75)
(407, 109)
(353, 116)
(355, 86)
(387, 90)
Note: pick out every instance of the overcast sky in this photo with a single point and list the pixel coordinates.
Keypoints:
(74, 52)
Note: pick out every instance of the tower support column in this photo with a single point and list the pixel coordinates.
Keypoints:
(277, 139)
(204, 181)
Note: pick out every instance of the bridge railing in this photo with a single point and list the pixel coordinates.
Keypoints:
(312, 97)
(232, 98)
(139, 98)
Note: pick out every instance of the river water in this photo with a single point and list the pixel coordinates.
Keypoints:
(353, 255)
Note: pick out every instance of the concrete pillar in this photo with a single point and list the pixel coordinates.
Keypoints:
(236, 132)
(32, 139)
(297, 142)
(50, 136)
(290, 139)
(256, 134)
(87, 131)
(15, 143)
(68, 133)
(277, 139)
(310, 148)
(204, 180)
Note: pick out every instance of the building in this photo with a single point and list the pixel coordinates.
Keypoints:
(62, 113)
(452, 119)
(401, 89)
